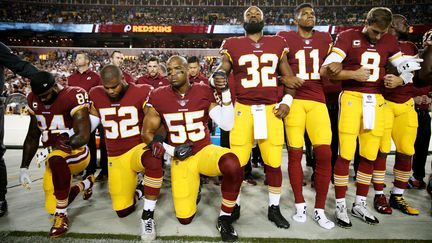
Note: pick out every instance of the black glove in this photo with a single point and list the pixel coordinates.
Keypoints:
(183, 151)
(156, 146)
(62, 143)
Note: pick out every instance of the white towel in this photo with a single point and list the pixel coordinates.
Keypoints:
(260, 121)
(369, 103)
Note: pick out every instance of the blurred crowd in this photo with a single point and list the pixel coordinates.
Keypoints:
(350, 14)
(61, 64)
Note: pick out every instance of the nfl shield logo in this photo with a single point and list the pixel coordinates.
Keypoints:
(182, 102)
(257, 45)
(34, 105)
(307, 42)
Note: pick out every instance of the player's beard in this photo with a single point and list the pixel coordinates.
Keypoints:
(253, 27)
(306, 28)
(403, 35)
(120, 95)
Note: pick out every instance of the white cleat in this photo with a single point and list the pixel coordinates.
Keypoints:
(148, 230)
(361, 211)
(322, 220)
(300, 215)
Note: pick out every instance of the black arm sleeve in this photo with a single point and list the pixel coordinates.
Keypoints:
(14, 63)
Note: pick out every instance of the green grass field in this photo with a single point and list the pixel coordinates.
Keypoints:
(34, 237)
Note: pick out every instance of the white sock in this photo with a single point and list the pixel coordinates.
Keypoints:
(238, 199)
(86, 183)
(397, 190)
(359, 199)
(379, 192)
(149, 204)
(322, 220)
(222, 213)
(300, 215)
(274, 199)
(340, 202)
(61, 210)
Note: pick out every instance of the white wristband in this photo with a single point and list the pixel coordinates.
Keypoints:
(169, 149)
(226, 96)
(287, 100)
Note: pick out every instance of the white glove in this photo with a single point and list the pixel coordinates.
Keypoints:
(24, 178)
(41, 156)
(407, 77)
(410, 64)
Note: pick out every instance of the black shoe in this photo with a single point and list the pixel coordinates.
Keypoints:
(235, 215)
(139, 190)
(3, 208)
(225, 228)
(102, 176)
(276, 217)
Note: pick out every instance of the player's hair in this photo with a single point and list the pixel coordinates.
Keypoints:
(397, 17)
(110, 72)
(86, 55)
(41, 82)
(379, 15)
(302, 6)
(114, 52)
(153, 59)
(177, 57)
(163, 68)
(193, 59)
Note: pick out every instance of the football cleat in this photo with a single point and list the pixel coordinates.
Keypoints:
(101, 177)
(322, 220)
(361, 211)
(416, 184)
(275, 216)
(60, 226)
(148, 226)
(235, 215)
(225, 228)
(89, 192)
(139, 190)
(381, 205)
(300, 215)
(397, 201)
(3, 208)
(342, 219)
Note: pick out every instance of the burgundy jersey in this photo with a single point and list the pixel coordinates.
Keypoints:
(128, 78)
(357, 51)
(305, 57)
(155, 82)
(255, 65)
(185, 117)
(419, 91)
(122, 120)
(85, 80)
(58, 117)
(200, 78)
(402, 94)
